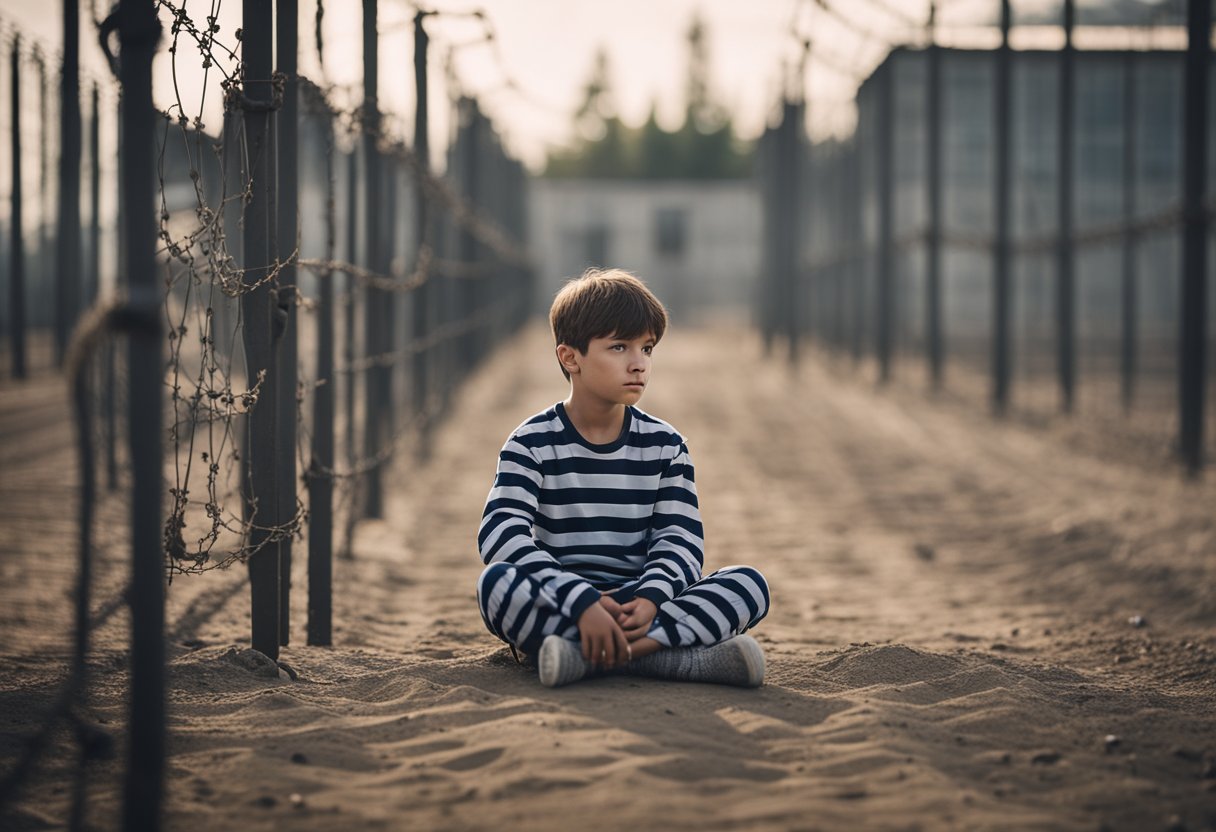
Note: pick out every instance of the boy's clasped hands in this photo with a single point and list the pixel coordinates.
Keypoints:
(608, 629)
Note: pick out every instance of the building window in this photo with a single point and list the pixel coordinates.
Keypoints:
(670, 232)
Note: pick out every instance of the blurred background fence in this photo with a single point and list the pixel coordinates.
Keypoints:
(1008, 225)
(305, 298)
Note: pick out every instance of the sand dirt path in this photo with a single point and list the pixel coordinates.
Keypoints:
(949, 646)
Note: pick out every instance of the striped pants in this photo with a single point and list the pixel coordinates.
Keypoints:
(715, 608)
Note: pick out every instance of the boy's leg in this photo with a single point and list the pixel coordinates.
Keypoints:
(717, 607)
(703, 628)
(513, 609)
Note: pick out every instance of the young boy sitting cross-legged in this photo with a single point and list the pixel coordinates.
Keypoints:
(591, 531)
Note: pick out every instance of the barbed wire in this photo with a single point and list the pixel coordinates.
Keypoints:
(205, 281)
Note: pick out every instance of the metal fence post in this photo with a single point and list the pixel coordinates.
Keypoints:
(1000, 218)
(261, 448)
(1193, 341)
(42, 293)
(287, 240)
(67, 244)
(1066, 291)
(1127, 351)
(16, 286)
(885, 312)
(93, 285)
(422, 297)
(373, 502)
(139, 33)
(348, 336)
(933, 181)
(320, 482)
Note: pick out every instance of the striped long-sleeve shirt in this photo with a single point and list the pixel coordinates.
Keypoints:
(585, 519)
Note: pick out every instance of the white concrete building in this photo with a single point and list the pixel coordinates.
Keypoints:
(695, 243)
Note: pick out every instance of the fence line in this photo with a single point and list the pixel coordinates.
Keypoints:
(224, 278)
(909, 238)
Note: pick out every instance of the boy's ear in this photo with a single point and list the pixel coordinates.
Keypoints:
(567, 356)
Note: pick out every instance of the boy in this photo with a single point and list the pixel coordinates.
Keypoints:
(591, 531)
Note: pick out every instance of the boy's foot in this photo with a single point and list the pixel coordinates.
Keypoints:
(737, 661)
(560, 662)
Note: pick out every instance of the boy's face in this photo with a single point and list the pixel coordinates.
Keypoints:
(613, 371)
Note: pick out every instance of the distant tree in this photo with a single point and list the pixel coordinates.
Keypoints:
(658, 150)
(705, 146)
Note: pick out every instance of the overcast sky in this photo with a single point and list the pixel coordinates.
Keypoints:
(545, 49)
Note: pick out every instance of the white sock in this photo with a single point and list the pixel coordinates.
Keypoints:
(737, 661)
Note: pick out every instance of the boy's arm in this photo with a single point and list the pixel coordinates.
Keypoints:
(506, 532)
(677, 542)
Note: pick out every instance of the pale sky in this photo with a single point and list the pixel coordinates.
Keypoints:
(545, 48)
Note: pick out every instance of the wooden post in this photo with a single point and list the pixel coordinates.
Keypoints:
(138, 34)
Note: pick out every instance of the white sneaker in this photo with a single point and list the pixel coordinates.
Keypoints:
(560, 662)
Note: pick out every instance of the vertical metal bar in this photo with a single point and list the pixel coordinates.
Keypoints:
(765, 300)
(858, 261)
(467, 146)
(885, 311)
(1193, 340)
(79, 369)
(791, 223)
(1000, 218)
(67, 243)
(320, 481)
(287, 239)
(348, 336)
(138, 33)
(16, 252)
(933, 189)
(422, 297)
(373, 338)
(44, 291)
(261, 448)
(1127, 356)
(93, 286)
(1066, 278)
(121, 280)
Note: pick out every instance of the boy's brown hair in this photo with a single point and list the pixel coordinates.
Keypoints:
(604, 303)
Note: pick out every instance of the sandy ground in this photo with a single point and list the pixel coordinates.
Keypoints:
(949, 645)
